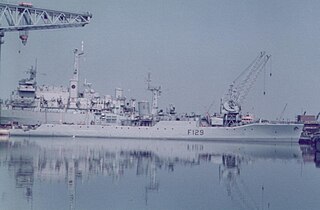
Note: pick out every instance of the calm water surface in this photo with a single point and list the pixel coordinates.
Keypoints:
(66, 173)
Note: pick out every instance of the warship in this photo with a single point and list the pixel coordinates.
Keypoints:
(34, 110)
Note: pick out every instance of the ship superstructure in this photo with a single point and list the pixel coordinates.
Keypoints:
(60, 111)
(31, 104)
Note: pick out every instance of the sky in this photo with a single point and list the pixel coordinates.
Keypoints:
(194, 49)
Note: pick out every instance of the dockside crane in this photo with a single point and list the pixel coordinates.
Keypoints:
(24, 17)
(239, 89)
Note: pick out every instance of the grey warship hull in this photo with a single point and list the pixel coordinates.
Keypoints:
(31, 117)
(255, 132)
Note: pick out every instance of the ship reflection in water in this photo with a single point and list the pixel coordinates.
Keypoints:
(60, 173)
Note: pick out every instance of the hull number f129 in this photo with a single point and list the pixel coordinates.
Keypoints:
(195, 132)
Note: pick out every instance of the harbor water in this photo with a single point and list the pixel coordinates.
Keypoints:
(79, 173)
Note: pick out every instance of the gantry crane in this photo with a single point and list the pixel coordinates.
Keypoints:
(239, 89)
(25, 17)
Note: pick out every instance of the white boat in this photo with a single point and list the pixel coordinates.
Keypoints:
(4, 132)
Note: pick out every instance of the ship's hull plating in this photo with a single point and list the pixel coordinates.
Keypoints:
(31, 117)
(188, 131)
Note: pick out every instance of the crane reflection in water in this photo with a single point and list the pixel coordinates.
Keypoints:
(36, 161)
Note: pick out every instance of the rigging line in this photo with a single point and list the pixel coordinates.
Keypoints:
(211, 105)
(270, 67)
(246, 69)
(265, 76)
(264, 80)
(252, 77)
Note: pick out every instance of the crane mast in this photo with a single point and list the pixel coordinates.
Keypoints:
(239, 89)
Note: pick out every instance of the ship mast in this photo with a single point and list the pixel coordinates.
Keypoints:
(156, 91)
(74, 82)
(77, 55)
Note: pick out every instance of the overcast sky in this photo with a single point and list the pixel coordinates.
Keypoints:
(193, 48)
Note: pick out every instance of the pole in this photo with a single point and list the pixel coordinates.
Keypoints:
(1, 42)
(0, 111)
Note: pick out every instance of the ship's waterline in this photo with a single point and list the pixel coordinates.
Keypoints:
(172, 130)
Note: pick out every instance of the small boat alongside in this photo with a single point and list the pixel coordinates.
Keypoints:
(4, 132)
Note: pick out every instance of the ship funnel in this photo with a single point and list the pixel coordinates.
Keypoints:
(143, 108)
